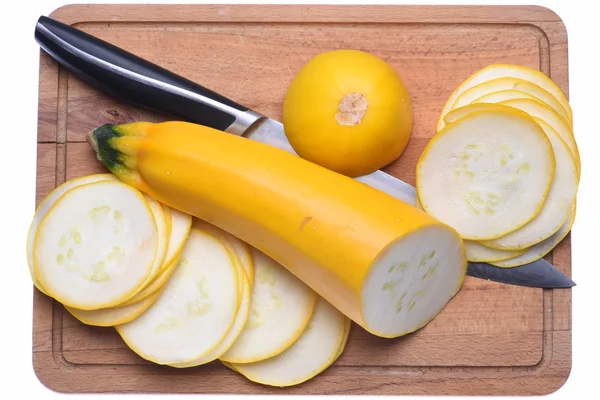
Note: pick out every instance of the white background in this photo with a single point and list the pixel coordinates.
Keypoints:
(18, 131)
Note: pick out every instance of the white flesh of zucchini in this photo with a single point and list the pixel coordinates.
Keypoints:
(195, 309)
(318, 347)
(227, 240)
(479, 253)
(281, 306)
(551, 117)
(486, 174)
(45, 205)
(241, 248)
(155, 284)
(96, 245)
(558, 205)
(181, 224)
(235, 330)
(411, 281)
(539, 250)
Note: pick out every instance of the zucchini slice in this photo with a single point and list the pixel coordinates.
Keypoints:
(181, 223)
(487, 174)
(477, 252)
(163, 238)
(43, 208)
(457, 113)
(494, 71)
(537, 110)
(238, 246)
(236, 328)
(545, 97)
(344, 338)
(195, 309)
(113, 315)
(558, 205)
(156, 283)
(281, 306)
(227, 240)
(503, 95)
(168, 220)
(96, 245)
(539, 250)
(525, 89)
(494, 85)
(319, 346)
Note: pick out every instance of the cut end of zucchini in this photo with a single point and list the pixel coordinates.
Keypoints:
(487, 174)
(412, 280)
(319, 346)
(96, 245)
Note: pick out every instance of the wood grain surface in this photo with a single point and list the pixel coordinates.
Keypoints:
(491, 338)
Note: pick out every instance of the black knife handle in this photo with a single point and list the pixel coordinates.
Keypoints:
(138, 81)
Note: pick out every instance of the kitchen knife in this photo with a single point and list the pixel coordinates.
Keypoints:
(135, 80)
(539, 274)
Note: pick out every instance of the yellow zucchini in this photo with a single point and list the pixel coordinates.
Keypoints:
(388, 266)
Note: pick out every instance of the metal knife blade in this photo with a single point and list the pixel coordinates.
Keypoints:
(539, 274)
(135, 80)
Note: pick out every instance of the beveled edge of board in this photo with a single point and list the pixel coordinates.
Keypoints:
(532, 14)
(544, 378)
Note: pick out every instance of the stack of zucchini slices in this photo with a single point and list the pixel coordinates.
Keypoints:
(503, 168)
(178, 290)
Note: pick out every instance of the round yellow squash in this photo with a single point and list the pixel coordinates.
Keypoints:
(348, 111)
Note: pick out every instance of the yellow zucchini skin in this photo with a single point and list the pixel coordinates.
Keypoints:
(326, 228)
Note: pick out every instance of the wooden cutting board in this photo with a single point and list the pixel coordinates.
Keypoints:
(491, 339)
